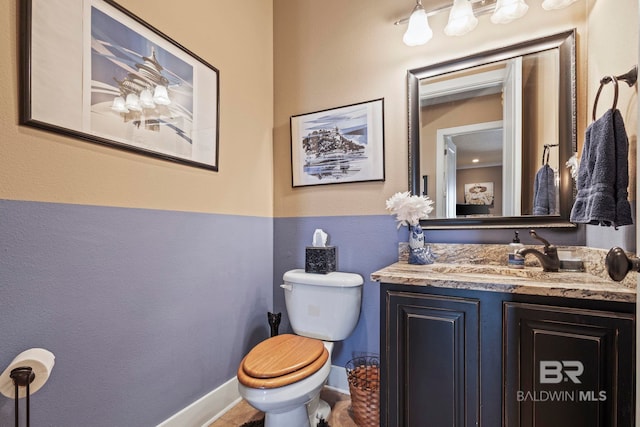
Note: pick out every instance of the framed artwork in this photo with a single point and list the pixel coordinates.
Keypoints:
(93, 70)
(480, 193)
(339, 145)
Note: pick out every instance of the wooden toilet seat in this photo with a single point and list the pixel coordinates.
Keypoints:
(282, 360)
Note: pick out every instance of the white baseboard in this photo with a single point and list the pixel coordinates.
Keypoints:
(214, 404)
(208, 408)
(338, 379)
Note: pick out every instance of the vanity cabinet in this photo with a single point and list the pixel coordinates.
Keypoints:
(462, 358)
(567, 367)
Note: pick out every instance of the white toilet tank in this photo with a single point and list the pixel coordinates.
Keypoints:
(323, 306)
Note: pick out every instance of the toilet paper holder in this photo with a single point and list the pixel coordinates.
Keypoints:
(25, 375)
(22, 377)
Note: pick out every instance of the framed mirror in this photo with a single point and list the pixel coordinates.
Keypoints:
(490, 134)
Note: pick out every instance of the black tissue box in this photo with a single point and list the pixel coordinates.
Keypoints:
(320, 260)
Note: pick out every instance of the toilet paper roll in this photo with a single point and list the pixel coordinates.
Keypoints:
(41, 362)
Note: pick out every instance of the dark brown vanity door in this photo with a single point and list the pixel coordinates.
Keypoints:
(433, 376)
(567, 367)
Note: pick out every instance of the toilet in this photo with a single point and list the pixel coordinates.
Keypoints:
(283, 375)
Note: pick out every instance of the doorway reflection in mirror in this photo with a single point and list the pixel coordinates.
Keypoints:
(488, 124)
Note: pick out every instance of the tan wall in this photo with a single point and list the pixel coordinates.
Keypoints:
(336, 52)
(326, 54)
(41, 166)
(613, 42)
(480, 109)
(541, 92)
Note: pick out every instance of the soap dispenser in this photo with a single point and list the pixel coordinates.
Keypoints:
(515, 260)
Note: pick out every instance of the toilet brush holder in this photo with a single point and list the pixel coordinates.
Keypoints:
(274, 322)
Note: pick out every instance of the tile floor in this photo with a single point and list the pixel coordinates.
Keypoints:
(243, 412)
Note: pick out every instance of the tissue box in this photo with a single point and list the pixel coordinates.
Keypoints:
(320, 260)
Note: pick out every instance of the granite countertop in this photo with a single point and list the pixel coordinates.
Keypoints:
(486, 274)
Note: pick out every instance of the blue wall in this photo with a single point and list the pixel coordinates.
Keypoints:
(145, 310)
(366, 244)
(148, 310)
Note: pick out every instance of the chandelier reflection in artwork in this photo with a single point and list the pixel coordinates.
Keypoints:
(142, 91)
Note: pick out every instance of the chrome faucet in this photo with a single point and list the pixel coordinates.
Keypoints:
(549, 258)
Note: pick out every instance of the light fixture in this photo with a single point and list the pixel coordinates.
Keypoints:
(463, 16)
(461, 19)
(556, 4)
(418, 32)
(508, 10)
(143, 89)
(118, 105)
(146, 99)
(133, 102)
(161, 96)
(475, 160)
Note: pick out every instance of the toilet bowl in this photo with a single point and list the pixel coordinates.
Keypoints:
(283, 375)
(293, 398)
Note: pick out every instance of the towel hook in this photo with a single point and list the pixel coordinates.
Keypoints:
(603, 82)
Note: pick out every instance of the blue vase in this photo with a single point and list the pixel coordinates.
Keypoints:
(419, 253)
(416, 237)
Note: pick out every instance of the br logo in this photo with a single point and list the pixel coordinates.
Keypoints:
(557, 371)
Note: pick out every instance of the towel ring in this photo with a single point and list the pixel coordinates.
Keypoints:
(546, 160)
(603, 82)
(545, 153)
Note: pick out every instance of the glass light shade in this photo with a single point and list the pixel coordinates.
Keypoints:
(556, 4)
(133, 103)
(508, 10)
(146, 99)
(418, 32)
(118, 105)
(461, 19)
(161, 96)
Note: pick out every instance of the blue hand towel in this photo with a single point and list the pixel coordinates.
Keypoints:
(603, 175)
(544, 192)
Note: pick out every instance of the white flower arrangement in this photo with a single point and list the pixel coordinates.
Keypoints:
(409, 209)
(574, 164)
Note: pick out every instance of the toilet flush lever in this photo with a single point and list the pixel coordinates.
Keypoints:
(286, 287)
(619, 264)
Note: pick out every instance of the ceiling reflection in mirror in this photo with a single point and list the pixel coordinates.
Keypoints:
(490, 135)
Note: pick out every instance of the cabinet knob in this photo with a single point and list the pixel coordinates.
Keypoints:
(619, 264)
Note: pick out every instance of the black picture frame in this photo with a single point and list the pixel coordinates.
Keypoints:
(338, 145)
(76, 58)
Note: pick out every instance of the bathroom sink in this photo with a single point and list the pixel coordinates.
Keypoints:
(484, 268)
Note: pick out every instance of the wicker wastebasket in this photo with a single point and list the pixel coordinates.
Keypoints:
(363, 374)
